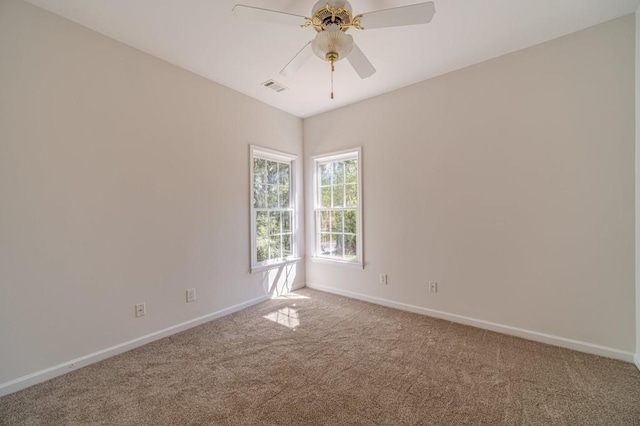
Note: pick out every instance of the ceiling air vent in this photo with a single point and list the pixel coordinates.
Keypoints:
(274, 85)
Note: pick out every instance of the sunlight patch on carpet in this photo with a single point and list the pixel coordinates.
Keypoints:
(285, 316)
(291, 295)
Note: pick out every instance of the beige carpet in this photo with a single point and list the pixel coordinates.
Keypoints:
(317, 359)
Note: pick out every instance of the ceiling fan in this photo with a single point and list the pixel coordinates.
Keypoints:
(331, 19)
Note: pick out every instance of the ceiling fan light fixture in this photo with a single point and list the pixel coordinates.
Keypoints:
(332, 44)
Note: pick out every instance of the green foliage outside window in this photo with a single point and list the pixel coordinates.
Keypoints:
(337, 208)
(272, 206)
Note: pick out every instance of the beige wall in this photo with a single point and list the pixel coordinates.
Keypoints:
(511, 183)
(123, 179)
(637, 357)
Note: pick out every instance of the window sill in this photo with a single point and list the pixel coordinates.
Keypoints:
(262, 268)
(326, 260)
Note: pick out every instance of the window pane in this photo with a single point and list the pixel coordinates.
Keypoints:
(327, 245)
(272, 172)
(275, 225)
(262, 246)
(336, 221)
(273, 212)
(352, 195)
(283, 195)
(338, 206)
(272, 197)
(350, 246)
(350, 221)
(338, 196)
(325, 174)
(286, 221)
(338, 172)
(275, 247)
(259, 170)
(337, 239)
(259, 196)
(286, 245)
(284, 174)
(325, 196)
(324, 221)
(351, 171)
(261, 224)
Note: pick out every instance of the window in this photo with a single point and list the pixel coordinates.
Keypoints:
(272, 208)
(338, 216)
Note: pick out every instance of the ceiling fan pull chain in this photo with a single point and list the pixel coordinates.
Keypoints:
(332, 70)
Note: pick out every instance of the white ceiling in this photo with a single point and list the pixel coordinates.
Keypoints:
(202, 36)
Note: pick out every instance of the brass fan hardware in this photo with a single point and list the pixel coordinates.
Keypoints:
(333, 15)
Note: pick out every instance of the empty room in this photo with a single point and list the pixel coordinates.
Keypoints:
(264, 212)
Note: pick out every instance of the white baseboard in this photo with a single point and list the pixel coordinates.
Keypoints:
(60, 369)
(298, 286)
(636, 361)
(500, 328)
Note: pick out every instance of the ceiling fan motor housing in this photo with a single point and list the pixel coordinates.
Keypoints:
(331, 12)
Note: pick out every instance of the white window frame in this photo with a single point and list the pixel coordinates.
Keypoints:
(281, 157)
(354, 153)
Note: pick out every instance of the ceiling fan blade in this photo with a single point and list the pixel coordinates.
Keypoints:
(420, 13)
(360, 63)
(266, 15)
(296, 63)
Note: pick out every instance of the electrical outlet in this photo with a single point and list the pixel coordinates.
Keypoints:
(433, 286)
(141, 310)
(383, 279)
(191, 295)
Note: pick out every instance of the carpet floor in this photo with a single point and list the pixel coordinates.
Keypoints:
(312, 358)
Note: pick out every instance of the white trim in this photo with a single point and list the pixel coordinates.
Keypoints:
(65, 367)
(337, 155)
(330, 261)
(549, 339)
(298, 286)
(272, 154)
(636, 361)
(352, 153)
(281, 157)
(269, 266)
